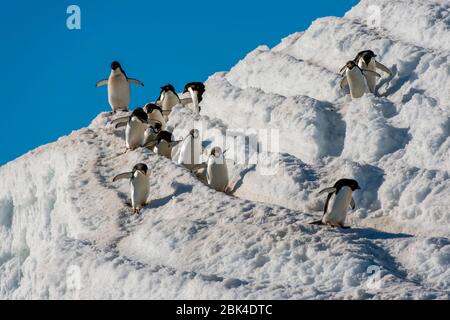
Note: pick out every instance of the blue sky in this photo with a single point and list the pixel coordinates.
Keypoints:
(49, 72)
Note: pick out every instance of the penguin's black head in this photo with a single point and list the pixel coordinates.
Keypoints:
(157, 127)
(194, 133)
(350, 65)
(150, 107)
(366, 55)
(116, 65)
(196, 86)
(164, 135)
(140, 167)
(216, 152)
(167, 88)
(352, 184)
(140, 114)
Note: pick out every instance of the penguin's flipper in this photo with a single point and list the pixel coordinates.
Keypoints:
(102, 83)
(126, 175)
(384, 68)
(120, 125)
(200, 166)
(344, 83)
(175, 143)
(120, 120)
(352, 204)
(327, 190)
(343, 69)
(139, 83)
(186, 101)
(370, 71)
(318, 222)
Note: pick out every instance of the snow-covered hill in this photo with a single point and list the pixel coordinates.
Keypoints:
(66, 233)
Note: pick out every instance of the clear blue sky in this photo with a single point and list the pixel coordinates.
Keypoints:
(49, 73)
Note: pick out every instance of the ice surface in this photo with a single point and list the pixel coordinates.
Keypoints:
(65, 231)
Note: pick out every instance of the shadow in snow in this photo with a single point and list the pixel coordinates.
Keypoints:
(373, 234)
(179, 189)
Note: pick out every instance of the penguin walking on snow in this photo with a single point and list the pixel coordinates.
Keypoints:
(139, 184)
(355, 78)
(196, 90)
(366, 61)
(339, 199)
(118, 87)
(136, 126)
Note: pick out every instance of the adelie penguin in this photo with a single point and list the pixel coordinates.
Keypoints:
(168, 99)
(118, 87)
(136, 126)
(196, 90)
(366, 61)
(355, 78)
(155, 114)
(217, 171)
(162, 144)
(339, 200)
(139, 185)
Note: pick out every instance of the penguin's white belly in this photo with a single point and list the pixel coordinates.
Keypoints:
(170, 100)
(357, 83)
(156, 116)
(135, 134)
(190, 153)
(163, 149)
(118, 93)
(140, 190)
(338, 207)
(371, 78)
(194, 96)
(217, 176)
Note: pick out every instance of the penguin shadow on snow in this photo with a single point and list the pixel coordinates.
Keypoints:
(373, 234)
(240, 179)
(179, 190)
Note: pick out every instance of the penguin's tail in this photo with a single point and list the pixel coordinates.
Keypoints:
(318, 222)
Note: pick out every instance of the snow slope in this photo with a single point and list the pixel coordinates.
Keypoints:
(65, 232)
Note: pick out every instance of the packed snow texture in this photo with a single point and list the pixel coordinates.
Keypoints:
(66, 233)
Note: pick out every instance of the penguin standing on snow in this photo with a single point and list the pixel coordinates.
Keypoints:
(196, 90)
(163, 144)
(168, 98)
(140, 185)
(136, 126)
(155, 114)
(355, 78)
(340, 198)
(366, 61)
(217, 171)
(118, 87)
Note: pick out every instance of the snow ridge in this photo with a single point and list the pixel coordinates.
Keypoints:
(65, 232)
